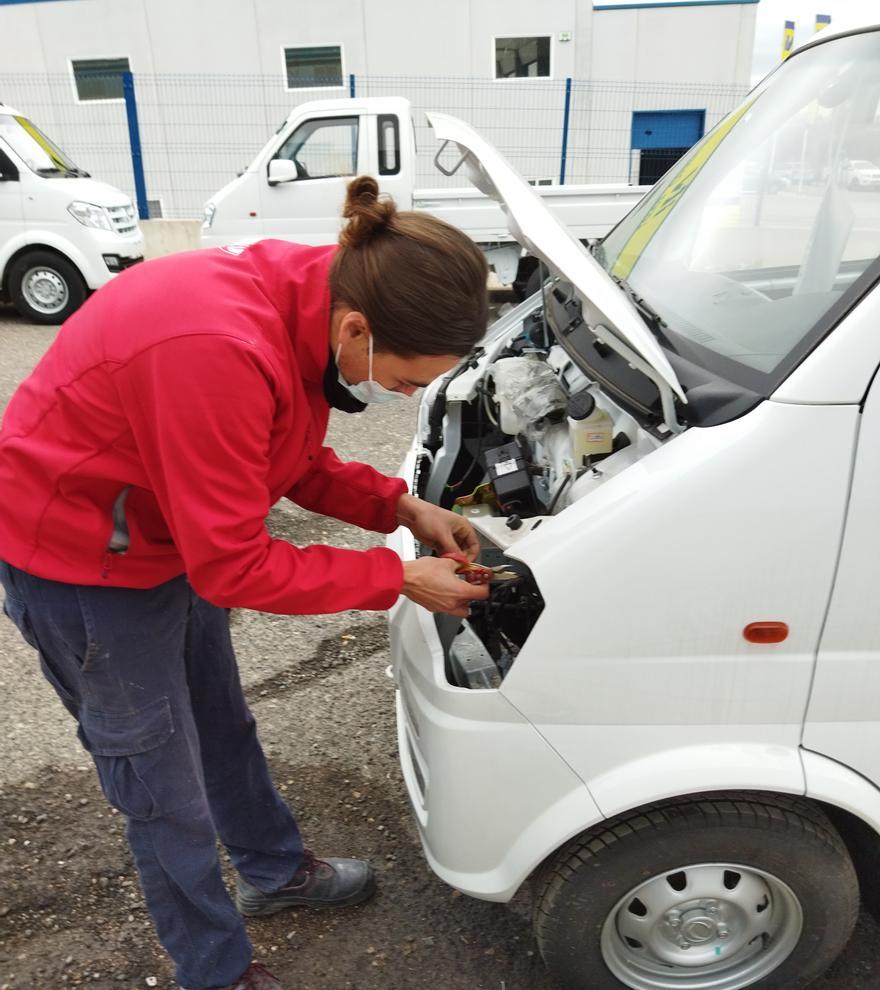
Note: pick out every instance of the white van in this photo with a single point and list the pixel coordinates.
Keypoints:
(670, 718)
(62, 234)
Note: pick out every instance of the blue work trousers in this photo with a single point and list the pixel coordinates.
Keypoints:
(151, 678)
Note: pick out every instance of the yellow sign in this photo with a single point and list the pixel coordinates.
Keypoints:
(668, 199)
(787, 39)
(822, 21)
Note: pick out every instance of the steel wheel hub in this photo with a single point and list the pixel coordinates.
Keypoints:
(704, 927)
(45, 290)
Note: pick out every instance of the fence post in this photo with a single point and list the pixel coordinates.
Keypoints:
(134, 141)
(351, 85)
(565, 117)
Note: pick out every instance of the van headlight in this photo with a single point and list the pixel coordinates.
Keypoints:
(90, 215)
(208, 216)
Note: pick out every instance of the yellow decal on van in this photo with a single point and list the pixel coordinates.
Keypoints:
(55, 155)
(667, 200)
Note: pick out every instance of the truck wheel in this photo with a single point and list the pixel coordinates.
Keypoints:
(45, 287)
(710, 892)
(533, 283)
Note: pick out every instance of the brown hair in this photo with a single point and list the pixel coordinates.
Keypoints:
(420, 282)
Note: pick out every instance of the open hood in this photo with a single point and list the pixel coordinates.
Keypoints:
(545, 237)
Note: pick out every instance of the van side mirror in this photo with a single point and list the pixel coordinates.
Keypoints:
(281, 170)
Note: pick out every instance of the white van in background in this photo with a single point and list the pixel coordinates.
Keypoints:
(62, 234)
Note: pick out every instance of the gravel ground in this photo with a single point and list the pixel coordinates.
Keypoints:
(70, 907)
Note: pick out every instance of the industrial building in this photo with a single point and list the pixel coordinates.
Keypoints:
(569, 90)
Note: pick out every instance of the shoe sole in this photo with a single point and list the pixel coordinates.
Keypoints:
(253, 910)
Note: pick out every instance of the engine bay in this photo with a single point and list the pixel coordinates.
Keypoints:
(513, 436)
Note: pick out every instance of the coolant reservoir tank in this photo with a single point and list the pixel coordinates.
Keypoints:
(590, 428)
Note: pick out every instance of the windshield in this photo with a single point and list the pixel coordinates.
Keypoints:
(34, 148)
(757, 235)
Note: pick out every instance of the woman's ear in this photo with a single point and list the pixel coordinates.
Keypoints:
(354, 327)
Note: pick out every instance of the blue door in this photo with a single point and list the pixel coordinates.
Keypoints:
(662, 137)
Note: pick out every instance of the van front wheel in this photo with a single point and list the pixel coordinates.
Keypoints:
(45, 287)
(715, 891)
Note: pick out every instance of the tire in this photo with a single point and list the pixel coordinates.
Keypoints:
(45, 287)
(603, 912)
(533, 283)
(527, 267)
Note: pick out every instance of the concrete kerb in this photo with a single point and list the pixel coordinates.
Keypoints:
(168, 236)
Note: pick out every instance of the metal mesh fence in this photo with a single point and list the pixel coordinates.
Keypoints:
(601, 124)
(524, 120)
(198, 131)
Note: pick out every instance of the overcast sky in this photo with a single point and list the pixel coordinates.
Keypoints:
(773, 13)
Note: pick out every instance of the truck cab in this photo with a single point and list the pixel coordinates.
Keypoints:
(295, 187)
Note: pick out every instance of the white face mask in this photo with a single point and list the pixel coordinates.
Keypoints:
(369, 390)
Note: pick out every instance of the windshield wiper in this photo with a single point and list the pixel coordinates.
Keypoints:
(650, 315)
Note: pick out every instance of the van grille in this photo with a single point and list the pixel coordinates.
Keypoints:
(122, 218)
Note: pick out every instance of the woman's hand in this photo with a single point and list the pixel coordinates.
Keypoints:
(433, 583)
(440, 529)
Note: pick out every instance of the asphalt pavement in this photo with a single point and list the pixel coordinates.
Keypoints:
(70, 908)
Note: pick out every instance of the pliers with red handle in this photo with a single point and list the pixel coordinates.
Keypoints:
(477, 573)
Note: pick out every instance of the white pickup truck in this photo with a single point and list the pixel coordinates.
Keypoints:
(295, 186)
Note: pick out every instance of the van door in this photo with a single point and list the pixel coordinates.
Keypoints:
(327, 154)
(11, 217)
(843, 717)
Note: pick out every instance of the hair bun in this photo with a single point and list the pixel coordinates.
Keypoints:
(366, 213)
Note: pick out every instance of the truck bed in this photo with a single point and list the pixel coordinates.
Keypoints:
(587, 210)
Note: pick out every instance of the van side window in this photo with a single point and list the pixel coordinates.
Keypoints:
(8, 171)
(322, 149)
(389, 144)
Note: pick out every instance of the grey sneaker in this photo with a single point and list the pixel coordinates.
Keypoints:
(318, 883)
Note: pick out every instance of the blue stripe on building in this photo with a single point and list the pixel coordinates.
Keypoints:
(647, 5)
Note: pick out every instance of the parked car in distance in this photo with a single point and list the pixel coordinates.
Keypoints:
(668, 716)
(62, 233)
(862, 174)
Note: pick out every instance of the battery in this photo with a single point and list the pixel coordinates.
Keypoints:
(510, 479)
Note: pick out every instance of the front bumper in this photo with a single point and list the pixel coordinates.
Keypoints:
(127, 250)
(487, 789)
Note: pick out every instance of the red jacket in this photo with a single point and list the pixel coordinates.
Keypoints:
(172, 410)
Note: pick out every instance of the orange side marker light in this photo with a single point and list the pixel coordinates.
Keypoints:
(766, 632)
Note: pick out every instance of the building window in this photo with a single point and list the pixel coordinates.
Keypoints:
(313, 67)
(99, 78)
(522, 58)
(323, 149)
